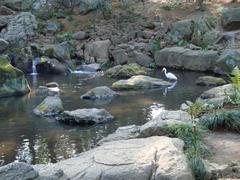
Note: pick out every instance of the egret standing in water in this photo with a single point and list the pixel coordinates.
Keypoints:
(169, 75)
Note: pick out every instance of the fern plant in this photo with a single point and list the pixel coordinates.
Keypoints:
(234, 95)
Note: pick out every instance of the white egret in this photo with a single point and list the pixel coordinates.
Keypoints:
(169, 75)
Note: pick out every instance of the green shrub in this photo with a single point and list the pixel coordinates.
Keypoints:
(155, 45)
(64, 36)
(234, 95)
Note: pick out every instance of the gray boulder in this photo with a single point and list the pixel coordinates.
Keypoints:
(157, 125)
(20, 29)
(50, 106)
(51, 27)
(120, 56)
(228, 60)
(102, 92)
(85, 116)
(210, 81)
(231, 18)
(181, 58)
(85, 6)
(17, 171)
(97, 51)
(90, 67)
(80, 35)
(126, 71)
(18, 5)
(215, 97)
(136, 159)
(51, 66)
(123, 133)
(5, 11)
(205, 32)
(140, 82)
(62, 51)
(143, 59)
(154, 127)
(12, 80)
(47, 91)
(181, 30)
(3, 45)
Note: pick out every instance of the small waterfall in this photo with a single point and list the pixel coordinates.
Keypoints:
(34, 68)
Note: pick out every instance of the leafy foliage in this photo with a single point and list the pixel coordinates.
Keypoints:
(234, 95)
(64, 36)
(155, 45)
(227, 119)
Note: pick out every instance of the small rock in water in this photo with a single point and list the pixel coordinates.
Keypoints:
(51, 105)
(102, 92)
(47, 91)
(52, 84)
(85, 116)
(90, 67)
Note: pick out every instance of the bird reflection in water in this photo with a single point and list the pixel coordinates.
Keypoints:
(169, 88)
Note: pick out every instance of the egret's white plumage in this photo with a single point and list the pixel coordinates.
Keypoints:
(169, 75)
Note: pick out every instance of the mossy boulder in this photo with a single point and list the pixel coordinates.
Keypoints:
(51, 105)
(126, 71)
(210, 81)
(140, 82)
(12, 80)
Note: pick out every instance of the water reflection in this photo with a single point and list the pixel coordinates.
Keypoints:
(64, 148)
(169, 88)
(24, 153)
(153, 111)
(42, 153)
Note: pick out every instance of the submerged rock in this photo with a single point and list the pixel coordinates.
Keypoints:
(12, 80)
(102, 92)
(181, 58)
(85, 116)
(126, 71)
(140, 82)
(136, 159)
(210, 81)
(17, 170)
(51, 105)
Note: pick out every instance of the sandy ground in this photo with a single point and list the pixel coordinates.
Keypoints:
(224, 145)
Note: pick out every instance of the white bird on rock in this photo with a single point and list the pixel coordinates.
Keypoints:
(169, 75)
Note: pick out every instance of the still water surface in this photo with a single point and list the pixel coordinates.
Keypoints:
(28, 138)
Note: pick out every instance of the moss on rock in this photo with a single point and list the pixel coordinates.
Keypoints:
(12, 80)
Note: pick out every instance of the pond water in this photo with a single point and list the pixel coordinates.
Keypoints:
(32, 139)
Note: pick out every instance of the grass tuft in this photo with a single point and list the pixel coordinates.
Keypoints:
(227, 119)
(195, 149)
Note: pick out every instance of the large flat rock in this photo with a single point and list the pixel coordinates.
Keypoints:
(140, 82)
(181, 58)
(136, 159)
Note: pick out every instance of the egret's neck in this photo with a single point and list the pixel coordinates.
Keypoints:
(165, 71)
